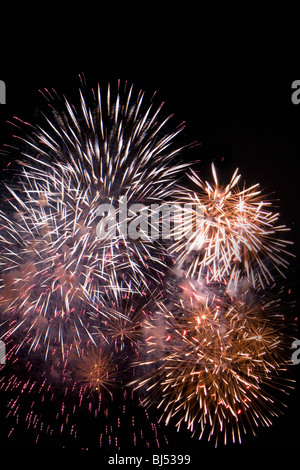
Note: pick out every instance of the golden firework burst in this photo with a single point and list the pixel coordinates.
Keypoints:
(237, 233)
(217, 365)
(97, 369)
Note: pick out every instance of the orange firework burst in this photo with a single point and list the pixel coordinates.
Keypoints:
(97, 370)
(218, 365)
(236, 235)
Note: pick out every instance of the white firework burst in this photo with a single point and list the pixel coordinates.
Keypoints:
(54, 267)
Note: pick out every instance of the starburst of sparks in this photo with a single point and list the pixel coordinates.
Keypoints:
(216, 364)
(126, 313)
(90, 322)
(236, 235)
(50, 249)
(97, 369)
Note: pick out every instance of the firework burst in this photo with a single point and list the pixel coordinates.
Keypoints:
(54, 266)
(113, 149)
(126, 312)
(216, 364)
(236, 235)
(97, 369)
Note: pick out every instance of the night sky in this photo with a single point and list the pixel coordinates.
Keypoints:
(238, 120)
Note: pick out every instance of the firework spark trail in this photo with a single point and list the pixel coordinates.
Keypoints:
(72, 413)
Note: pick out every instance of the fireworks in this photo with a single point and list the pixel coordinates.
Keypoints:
(124, 326)
(102, 327)
(237, 235)
(51, 252)
(97, 370)
(218, 365)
